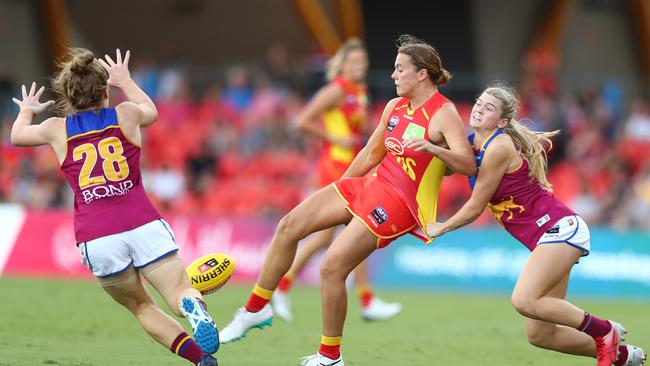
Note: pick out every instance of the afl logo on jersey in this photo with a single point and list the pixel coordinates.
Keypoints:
(394, 145)
(392, 123)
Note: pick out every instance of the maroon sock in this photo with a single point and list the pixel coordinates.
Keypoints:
(185, 347)
(593, 326)
(622, 356)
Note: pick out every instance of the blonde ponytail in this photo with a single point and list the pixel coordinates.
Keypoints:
(533, 145)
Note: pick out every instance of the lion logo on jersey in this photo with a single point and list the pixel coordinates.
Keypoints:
(506, 206)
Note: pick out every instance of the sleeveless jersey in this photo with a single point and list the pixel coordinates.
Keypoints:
(416, 175)
(521, 205)
(103, 168)
(345, 121)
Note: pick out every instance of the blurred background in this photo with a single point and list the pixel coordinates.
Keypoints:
(224, 162)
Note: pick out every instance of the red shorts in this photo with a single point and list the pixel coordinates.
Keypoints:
(330, 171)
(378, 205)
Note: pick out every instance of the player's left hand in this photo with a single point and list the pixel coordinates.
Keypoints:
(30, 100)
(420, 144)
(118, 71)
(434, 229)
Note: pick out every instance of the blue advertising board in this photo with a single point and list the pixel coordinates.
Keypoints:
(490, 260)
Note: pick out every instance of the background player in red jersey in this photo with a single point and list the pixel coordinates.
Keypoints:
(512, 183)
(399, 198)
(119, 233)
(342, 105)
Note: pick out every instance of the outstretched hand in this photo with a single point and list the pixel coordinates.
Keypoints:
(118, 71)
(30, 100)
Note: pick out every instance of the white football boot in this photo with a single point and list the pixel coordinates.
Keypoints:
(320, 360)
(635, 356)
(244, 321)
(281, 304)
(378, 309)
(204, 329)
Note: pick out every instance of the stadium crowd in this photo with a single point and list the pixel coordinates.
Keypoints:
(231, 148)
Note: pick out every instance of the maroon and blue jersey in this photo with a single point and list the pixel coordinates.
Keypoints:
(103, 168)
(521, 205)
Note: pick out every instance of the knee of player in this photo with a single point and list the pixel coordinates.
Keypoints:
(523, 304)
(290, 225)
(330, 270)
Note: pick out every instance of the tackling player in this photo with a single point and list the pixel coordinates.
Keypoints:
(512, 183)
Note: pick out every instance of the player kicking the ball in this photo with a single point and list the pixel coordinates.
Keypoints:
(342, 105)
(377, 208)
(512, 183)
(119, 233)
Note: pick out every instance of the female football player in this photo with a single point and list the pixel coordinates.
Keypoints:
(342, 104)
(512, 183)
(119, 233)
(399, 198)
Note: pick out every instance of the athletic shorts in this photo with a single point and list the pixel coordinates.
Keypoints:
(571, 230)
(113, 254)
(378, 206)
(330, 171)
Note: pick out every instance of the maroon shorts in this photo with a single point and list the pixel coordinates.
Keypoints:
(378, 206)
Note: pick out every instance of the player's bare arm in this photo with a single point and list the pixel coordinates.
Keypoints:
(139, 111)
(447, 141)
(494, 166)
(51, 131)
(326, 98)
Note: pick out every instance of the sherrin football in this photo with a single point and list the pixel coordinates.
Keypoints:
(210, 272)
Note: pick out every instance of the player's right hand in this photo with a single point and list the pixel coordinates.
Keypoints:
(30, 101)
(118, 71)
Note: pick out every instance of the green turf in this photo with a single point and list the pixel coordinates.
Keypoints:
(57, 322)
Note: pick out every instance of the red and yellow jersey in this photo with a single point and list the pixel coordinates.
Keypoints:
(345, 120)
(417, 175)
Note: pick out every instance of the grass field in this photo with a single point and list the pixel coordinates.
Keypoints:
(57, 322)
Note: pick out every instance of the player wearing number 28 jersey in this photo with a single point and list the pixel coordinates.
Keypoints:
(120, 235)
(103, 169)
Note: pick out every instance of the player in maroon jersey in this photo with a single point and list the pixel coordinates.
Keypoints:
(119, 233)
(512, 183)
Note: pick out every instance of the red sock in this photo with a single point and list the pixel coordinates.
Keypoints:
(365, 295)
(285, 283)
(258, 299)
(330, 347)
(622, 356)
(185, 347)
(593, 326)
